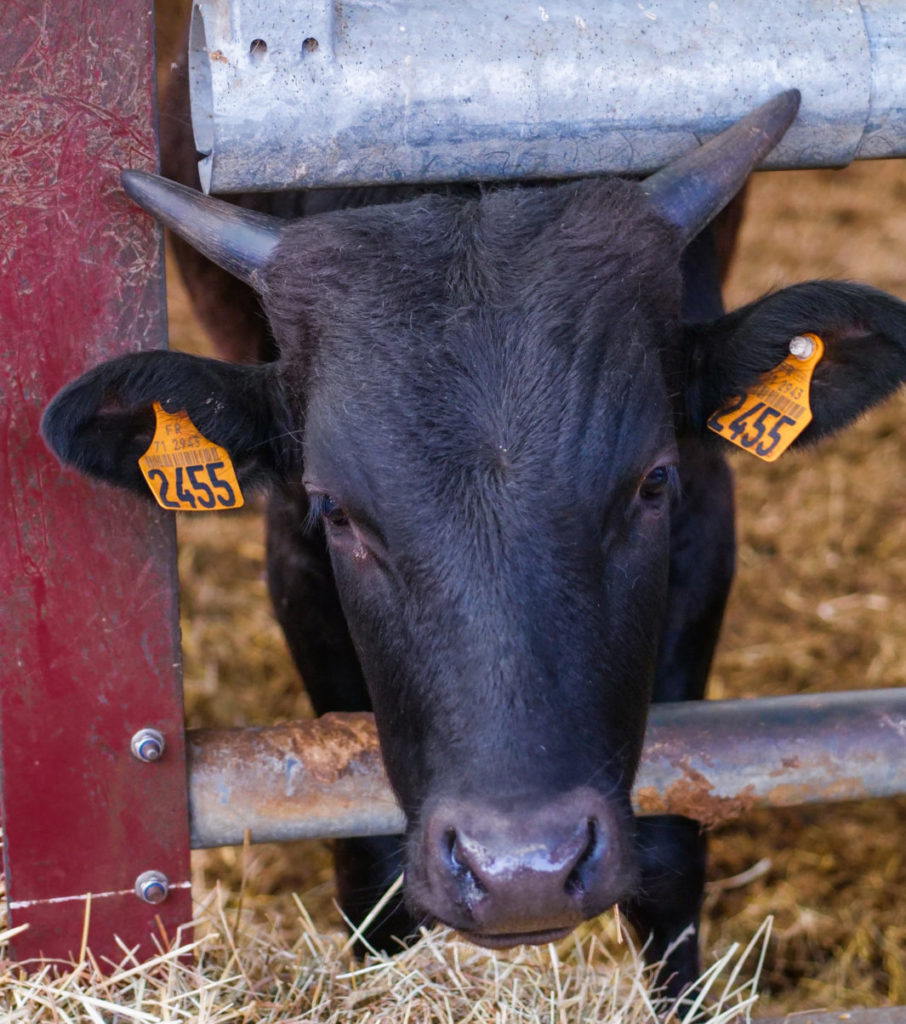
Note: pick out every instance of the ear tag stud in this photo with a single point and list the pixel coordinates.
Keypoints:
(185, 471)
(769, 418)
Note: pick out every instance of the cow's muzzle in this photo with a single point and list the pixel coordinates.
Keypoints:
(506, 875)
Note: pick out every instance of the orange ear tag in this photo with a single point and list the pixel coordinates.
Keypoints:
(767, 420)
(185, 471)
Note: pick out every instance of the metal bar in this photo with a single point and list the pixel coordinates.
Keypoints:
(89, 633)
(886, 1015)
(709, 760)
(289, 94)
(322, 778)
(715, 760)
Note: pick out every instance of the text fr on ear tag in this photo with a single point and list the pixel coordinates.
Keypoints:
(769, 418)
(185, 471)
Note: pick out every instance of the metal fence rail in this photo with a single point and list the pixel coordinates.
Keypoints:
(709, 760)
(312, 93)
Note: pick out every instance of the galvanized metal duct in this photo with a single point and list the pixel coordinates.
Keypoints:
(307, 93)
(710, 760)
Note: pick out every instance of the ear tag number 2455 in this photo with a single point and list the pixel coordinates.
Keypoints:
(769, 418)
(185, 471)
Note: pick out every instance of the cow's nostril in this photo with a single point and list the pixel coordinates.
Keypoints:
(471, 887)
(450, 849)
(576, 880)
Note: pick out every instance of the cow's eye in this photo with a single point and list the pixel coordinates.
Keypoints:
(333, 512)
(655, 483)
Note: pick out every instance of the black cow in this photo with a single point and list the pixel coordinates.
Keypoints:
(491, 406)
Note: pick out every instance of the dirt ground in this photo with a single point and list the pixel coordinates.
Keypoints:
(818, 605)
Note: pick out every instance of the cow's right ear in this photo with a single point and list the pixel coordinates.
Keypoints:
(104, 421)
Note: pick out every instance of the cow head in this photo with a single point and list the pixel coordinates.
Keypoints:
(483, 398)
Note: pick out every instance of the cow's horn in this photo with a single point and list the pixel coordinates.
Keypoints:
(693, 190)
(241, 241)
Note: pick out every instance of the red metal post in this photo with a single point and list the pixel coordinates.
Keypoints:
(89, 649)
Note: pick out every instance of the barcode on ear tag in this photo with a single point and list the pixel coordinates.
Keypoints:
(769, 418)
(185, 471)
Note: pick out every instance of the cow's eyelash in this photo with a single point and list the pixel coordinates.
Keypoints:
(668, 488)
(313, 516)
(327, 509)
(674, 484)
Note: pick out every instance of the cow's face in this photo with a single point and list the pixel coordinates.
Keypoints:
(491, 451)
(482, 398)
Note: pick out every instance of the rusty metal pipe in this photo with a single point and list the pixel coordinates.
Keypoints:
(322, 778)
(709, 760)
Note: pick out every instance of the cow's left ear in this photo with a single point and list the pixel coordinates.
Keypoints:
(864, 335)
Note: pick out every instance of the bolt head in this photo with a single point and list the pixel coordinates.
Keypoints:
(148, 745)
(152, 887)
(802, 347)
